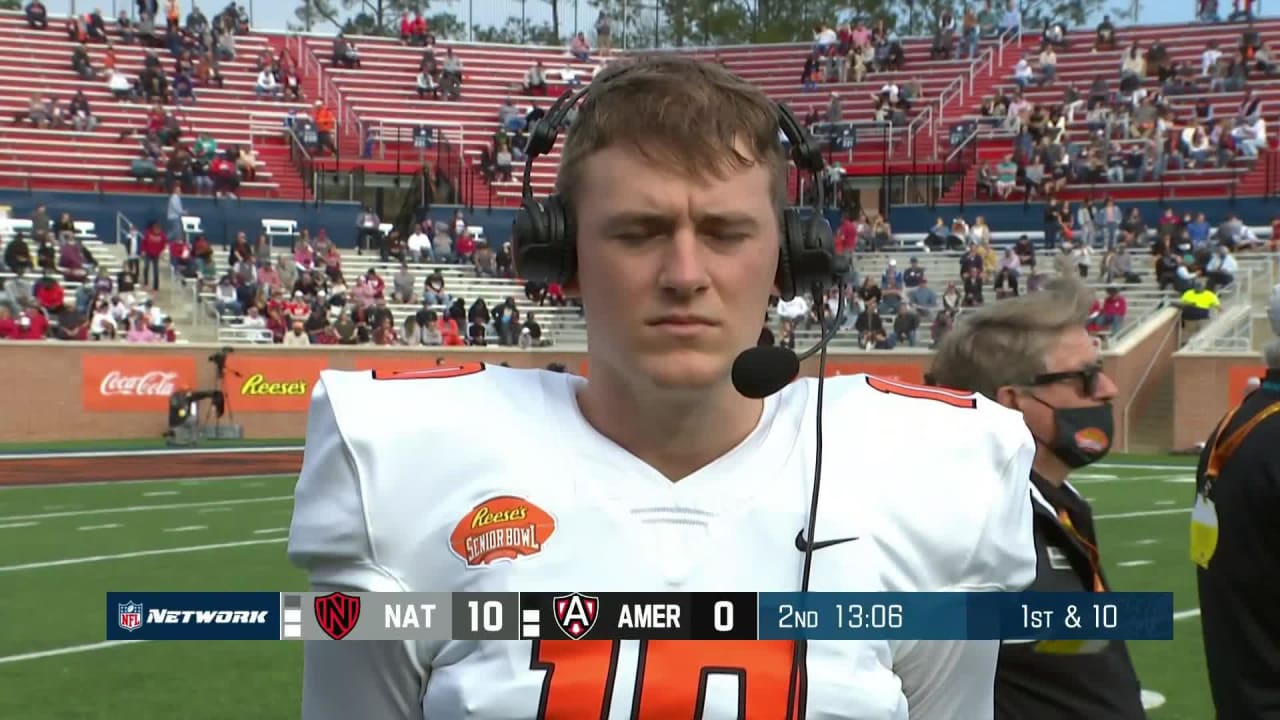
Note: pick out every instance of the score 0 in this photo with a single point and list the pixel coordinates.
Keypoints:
(724, 616)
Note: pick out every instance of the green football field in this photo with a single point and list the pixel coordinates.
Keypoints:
(63, 547)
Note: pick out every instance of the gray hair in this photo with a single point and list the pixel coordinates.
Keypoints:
(1008, 342)
(1271, 355)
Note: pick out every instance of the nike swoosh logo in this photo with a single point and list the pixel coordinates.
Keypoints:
(804, 545)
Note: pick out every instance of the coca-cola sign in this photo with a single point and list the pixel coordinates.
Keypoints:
(154, 383)
(134, 383)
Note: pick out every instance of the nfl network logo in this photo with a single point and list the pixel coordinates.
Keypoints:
(129, 616)
(575, 613)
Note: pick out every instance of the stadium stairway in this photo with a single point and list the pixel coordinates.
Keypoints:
(39, 61)
(1079, 64)
(380, 95)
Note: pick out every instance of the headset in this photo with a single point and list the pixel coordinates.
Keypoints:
(544, 244)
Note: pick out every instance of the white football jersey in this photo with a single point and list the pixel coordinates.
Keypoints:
(494, 481)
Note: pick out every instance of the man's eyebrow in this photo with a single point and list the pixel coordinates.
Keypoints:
(655, 218)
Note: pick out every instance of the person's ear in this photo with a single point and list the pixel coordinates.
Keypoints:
(1009, 397)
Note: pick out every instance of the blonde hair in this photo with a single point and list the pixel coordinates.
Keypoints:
(1006, 343)
(692, 117)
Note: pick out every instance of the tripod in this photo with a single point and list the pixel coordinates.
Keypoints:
(220, 405)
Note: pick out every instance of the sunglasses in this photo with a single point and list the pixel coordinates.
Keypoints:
(1088, 377)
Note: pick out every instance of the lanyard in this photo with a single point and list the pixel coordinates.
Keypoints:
(1223, 449)
(1094, 559)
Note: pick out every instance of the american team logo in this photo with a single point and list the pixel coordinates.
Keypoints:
(576, 613)
(501, 528)
(129, 616)
(337, 614)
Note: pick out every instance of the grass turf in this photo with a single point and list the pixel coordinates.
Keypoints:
(1142, 524)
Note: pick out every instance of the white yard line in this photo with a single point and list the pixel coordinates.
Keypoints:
(159, 493)
(1186, 614)
(200, 479)
(18, 525)
(106, 526)
(1133, 563)
(138, 554)
(1142, 513)
(270, 531)
(186, 528)
(69, 650)
(145, 508)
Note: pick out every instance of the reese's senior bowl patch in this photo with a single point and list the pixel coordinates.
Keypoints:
(501, 528)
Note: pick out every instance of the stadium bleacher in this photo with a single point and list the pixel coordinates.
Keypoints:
(381, 94)
(40, 61)
(1079, 64)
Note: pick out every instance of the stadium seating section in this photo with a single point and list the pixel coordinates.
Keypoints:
(1079, 64)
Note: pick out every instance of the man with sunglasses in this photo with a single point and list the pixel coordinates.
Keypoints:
(1033, 354)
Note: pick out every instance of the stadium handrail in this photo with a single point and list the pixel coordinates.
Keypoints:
(1153, 320)
(1231, 331)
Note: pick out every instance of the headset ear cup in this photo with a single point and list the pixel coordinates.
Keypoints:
(560, 234)
(792, 234)
(528, 233)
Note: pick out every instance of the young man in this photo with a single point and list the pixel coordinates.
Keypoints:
(1033, 354)
(666, 478)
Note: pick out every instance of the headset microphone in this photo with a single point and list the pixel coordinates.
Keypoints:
(766, 369)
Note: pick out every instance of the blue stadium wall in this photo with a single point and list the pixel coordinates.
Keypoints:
(221, 219)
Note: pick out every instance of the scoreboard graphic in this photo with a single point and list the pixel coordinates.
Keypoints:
(350, 617)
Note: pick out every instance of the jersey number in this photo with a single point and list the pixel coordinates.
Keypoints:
(671, 678)
(954, 398)
(436, 373)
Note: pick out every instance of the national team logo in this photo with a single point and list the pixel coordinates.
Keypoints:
(129, 616)
(501, 528)
(576, 613)
(1092, 440)
(337, 614)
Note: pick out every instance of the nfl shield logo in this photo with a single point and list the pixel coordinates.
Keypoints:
(337, 614)
(576, 614)
(129, 616)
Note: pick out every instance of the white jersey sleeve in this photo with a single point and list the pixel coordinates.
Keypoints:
(330, 538)
(948, 679)
(951, 679)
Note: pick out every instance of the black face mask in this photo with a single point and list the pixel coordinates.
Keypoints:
(1082, 436)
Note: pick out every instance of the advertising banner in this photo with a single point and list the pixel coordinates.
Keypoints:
(1238, 378)
(260, 383)
(133, 383)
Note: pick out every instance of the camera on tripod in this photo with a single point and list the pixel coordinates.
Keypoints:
(219, 359)
(188, 426)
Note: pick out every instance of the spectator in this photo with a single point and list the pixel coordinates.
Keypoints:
(82, 118)
(579, 48)
(37, 15)
(297, 337)
(1012, 20)
(154, 243)
(535, 79)
(1222, 268)
(1107, 315)
(510, 117)
(17, 255)
(604, 33)
(345, 53)
(267, 84)
(427, 84)
(1104, 37)
(325, 123)
(1048, 65)
(81, 64)
(402, 285)
(1250, 137)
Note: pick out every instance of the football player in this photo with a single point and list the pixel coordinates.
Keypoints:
(1032, 353)
(659, 475)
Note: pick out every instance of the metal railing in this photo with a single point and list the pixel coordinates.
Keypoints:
(1172, 332)
(126, 234)
(1231, 331)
